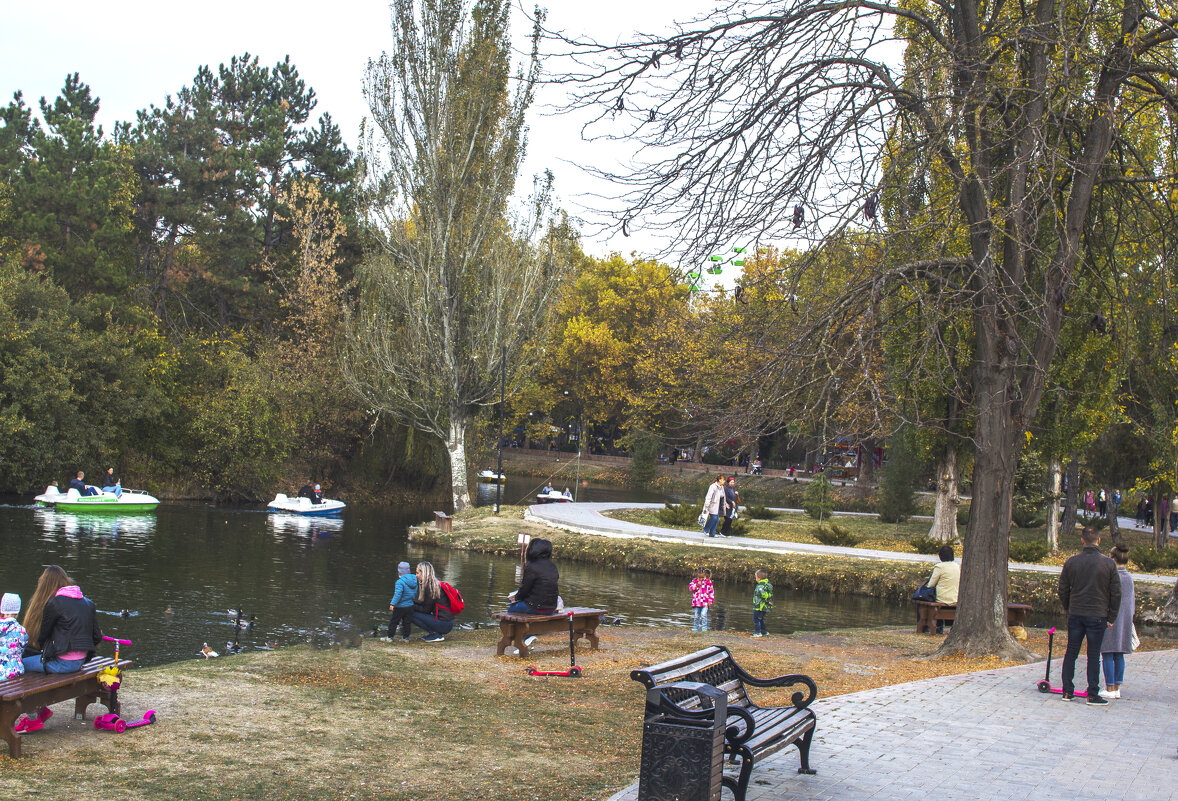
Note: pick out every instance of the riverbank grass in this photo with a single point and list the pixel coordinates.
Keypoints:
(417, 721)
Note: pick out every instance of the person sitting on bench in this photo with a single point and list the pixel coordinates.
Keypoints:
(537, 593)
(945, 578)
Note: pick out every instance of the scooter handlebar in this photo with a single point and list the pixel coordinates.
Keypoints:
(1051, 630)
(116, 639)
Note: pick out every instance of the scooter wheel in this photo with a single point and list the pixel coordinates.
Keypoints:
(1044, 686)
(531, 671)
(121, 726)
(574, 671)
(150, 716)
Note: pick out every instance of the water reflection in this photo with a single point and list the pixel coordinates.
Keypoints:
(73, 524)
(304, 525)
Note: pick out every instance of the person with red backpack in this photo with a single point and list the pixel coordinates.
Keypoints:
(537, 593)
(436, 604)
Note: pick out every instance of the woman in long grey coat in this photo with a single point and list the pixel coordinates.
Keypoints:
(1118, 639)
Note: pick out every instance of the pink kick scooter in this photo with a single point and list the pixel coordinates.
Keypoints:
(1045, 685)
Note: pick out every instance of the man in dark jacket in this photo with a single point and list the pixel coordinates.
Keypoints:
(1090, 592)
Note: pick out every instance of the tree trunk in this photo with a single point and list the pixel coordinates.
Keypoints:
(944, 526)
(1160, 538)
(697, 455)
(1071, 499)
(1114, 529)
(1054, 483)
(867, 461)
(980, 628)
(456, 448)
(1169, 612)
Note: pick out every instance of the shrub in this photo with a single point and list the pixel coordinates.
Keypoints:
(963, 516)
(818, 500)
(1096, 521)
(925, 544)
(681, 515)
(1149, 560)
(644, 450)
(1028, 551)
(1027, 516)
(835, 535)
(761, 513)
(897, 494)
(739, 527)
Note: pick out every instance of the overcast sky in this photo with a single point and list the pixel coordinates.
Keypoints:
(134, 53)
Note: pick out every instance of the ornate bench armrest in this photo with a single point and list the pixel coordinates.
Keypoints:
(737, 734)
(711, 700)
(798, 699)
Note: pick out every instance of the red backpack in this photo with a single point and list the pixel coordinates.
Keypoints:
(453, 597)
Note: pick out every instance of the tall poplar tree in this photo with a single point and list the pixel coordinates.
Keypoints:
(453, 277)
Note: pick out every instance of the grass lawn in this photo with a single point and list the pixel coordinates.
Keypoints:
(418, 721)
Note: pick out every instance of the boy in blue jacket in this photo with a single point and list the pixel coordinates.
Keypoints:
(404, 594)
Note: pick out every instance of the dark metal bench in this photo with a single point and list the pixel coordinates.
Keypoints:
(517, 626)
(34, 690)
(929, 613)
(753, 732)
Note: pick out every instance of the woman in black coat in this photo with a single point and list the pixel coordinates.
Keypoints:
(537, 591)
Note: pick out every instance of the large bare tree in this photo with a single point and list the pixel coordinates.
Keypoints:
(453, 277)
(978, 131)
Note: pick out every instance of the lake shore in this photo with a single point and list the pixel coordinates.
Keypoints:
(422, 722)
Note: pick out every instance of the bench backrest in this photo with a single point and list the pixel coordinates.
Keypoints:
(712, 665)
(31, 683)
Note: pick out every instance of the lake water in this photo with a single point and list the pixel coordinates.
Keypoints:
(297, 575)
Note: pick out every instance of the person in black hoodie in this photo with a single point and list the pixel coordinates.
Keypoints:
(537, 590)
(63, 632)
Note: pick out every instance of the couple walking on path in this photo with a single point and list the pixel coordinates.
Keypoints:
(721, 502)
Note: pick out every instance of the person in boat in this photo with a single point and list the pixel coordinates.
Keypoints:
(568, 493)
(112, 483)
(307, 491)
(537, 593)
(317, 494)
(549, 489)
(79, 483)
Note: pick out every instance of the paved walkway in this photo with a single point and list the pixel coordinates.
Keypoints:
(587, 518)
(987, 736)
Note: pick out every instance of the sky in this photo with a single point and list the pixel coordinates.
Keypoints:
(134, 53)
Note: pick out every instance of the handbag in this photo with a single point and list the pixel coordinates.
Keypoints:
(1134, 640)
(703, 518)
(735, 513)
(925, 593)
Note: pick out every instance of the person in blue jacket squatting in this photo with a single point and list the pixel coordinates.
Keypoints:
(404, 593)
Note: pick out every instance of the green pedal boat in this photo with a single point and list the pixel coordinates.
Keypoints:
(72, 501)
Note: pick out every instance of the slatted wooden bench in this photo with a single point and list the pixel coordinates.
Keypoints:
(515, 627)
(753, 732)
(34, 690)
(930, 612)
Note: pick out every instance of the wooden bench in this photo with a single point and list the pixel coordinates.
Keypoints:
(517, 626)
(34, 690)
(930, 612)
(443, 521)
(752, 731)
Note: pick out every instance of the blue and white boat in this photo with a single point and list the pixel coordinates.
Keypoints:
(305, 506)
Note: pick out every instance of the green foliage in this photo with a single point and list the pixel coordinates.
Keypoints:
(1025, 515)
(897, 488)
(963, 516)
(818, 499)
(684, 515)
(1097, 521)
(1149, 559)
(925, 544)
(835, 535)
(761, 513)
(1030, 491)
(1029, 552)
(644, 450)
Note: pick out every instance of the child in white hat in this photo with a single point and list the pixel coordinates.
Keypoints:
(13, 637)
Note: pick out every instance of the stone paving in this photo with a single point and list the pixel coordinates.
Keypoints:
(989, 736)
(587, 518)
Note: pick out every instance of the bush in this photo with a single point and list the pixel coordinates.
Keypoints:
(1098, 522)
(1149, 560)
(818, 500)
(681, 515)
(1028, 551)
(963, 516)
(739, 527)
(897, 494)
(1027, 516)
(835, 535)
(761, 513)
(925, 544)
(644, 450)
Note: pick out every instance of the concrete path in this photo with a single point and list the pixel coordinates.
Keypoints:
(987, 736)
(587, 518)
